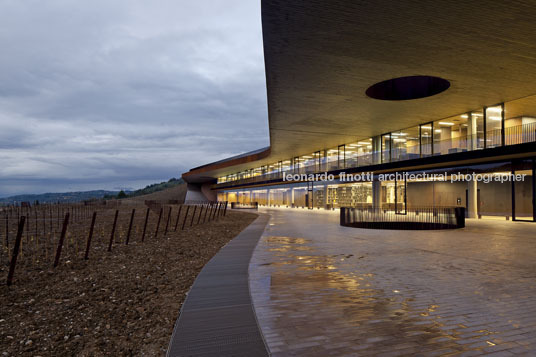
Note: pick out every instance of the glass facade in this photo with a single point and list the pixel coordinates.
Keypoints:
(503, 124)
(510, 199)
(386, 148)
(427, 131)
(476, 125)
(494, 125)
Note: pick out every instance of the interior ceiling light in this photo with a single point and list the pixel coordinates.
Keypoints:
(445, 123)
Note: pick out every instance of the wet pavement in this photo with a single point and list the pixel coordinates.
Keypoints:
(323, 290)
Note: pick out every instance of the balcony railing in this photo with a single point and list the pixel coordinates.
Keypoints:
(514, 135)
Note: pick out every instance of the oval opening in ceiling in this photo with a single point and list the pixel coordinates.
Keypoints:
(406, 88)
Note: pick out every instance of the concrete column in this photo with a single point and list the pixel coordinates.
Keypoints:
(472, 195)
(291, 197)
(268, 197)
(376, 150)
(376, 194)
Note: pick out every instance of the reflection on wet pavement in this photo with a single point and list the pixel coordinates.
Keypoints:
(312, 300)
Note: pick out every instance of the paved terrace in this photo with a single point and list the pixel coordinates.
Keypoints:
(323, 290)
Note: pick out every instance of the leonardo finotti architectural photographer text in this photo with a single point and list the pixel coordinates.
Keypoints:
(423, 176)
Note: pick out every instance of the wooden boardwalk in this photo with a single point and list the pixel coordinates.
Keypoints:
(217, 318)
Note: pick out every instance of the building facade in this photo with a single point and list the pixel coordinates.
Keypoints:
(422, 89)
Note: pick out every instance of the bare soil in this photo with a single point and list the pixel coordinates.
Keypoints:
(118, 303)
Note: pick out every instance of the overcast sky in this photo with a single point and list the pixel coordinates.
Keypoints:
(116, 94)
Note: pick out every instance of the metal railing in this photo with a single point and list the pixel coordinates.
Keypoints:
(412, 219)
(250, 205)
(514, 135)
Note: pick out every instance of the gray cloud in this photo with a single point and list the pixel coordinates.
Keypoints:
(107, 94)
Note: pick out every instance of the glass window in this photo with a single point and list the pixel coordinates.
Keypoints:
(426, 139)
(436, 150)
(460, 133)
(447, 135)
(476, 129)
(317, 157)
(332, 158)
(399, 143)
(494, 119)
(272, 168)
(308, 163)
(400, 196)
(388, 195)
(294, 164)
(323, 160)
(341, 156)
(286, 166)
(386, 148)
(351, 151)
(520, 121)
(412, 143)
(364, 152)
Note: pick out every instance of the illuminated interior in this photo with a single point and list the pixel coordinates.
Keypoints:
(480, 129)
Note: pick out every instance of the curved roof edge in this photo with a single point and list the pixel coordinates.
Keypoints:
(204, 173)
